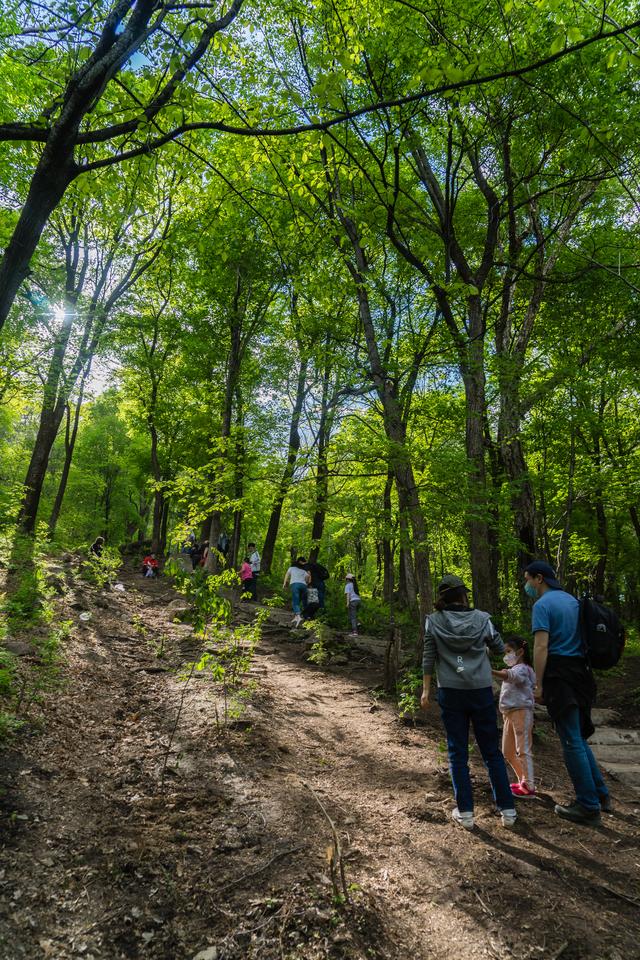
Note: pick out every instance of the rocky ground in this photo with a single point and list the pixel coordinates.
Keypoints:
(134, 826)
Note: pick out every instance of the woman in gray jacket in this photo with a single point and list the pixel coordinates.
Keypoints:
(456, 641)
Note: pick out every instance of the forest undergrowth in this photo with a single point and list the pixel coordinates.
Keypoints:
(146, 815)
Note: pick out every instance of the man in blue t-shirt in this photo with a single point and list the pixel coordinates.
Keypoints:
(565, 683)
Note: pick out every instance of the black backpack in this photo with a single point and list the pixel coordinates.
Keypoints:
(602, 634)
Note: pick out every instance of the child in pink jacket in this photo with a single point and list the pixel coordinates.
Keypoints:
(516, 706)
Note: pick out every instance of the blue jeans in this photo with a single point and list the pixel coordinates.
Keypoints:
(459, 708)
(298, 596)
(354, 606)
(580, 762)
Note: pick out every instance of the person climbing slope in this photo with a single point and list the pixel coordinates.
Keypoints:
(298, 577)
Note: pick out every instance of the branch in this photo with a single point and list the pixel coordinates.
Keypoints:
(17, 131)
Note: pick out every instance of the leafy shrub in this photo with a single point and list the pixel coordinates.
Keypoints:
(103, 570)
(409, 689)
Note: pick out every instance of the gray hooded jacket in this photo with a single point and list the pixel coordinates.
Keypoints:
(457, 641)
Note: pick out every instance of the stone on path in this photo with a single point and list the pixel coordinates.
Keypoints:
(618, 752)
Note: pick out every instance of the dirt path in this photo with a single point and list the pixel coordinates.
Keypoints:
(225, 855)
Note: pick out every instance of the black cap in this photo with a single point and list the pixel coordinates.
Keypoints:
(546, 571)
(451, 582)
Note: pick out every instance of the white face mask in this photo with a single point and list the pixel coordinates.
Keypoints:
(511, 659)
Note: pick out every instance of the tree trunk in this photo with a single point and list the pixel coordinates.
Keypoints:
(485, 592)
(515, 467)
(212, 563)
(387, 553)
(395, 431)
(238, 484)
(322, 468)
(287, 476)
(156, 472)
(407, 588)
(54, 173)
(69, 446)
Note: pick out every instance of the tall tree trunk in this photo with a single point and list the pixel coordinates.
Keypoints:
(163, 527)
(69, 446)
(55, 171)
(238, 483)
(485, 592)
(395, 429)
(287, 475)
(562, 555)
(387, 553)
(515, 467)
(156, 473)
(322, 467)
(232, 377)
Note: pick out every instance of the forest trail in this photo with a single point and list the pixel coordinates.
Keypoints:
(225, 855)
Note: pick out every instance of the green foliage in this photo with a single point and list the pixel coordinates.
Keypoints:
(103, 570)
(325, 644)
(408, 692)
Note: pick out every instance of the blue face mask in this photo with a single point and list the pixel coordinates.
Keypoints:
(530, 590)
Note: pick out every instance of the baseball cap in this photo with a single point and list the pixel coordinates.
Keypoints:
(451, 582)
(546, 571)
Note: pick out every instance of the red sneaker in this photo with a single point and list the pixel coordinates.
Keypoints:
(522, 790)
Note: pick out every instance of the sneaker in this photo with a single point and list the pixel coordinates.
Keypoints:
(522, 790)
(576, 813)
(465, 819)
(606, 806)
(509, 818)
(297, 620)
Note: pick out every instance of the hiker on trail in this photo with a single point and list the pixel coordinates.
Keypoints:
(223, 545)
(352, 597)
(246, 575)
(319, 574)
(195, 552)
(298, 576)
(254, 560)
(516, 706)
(456, 641)
(566, 685)
(97, 547)
(150, 566)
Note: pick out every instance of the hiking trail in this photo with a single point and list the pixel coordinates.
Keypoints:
(123, 839)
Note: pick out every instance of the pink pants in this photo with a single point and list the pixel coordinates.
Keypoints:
(517, 744)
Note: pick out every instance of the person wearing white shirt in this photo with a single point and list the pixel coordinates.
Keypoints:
(254, 560)
(298, 577)
(353, 602)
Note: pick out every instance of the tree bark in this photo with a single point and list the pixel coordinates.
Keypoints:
(69, 446)
(289, 469)
(387, 553)
(325, 427)
(485, 593)
(212, 562)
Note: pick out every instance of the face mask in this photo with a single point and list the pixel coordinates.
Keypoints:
(530, 590)
(511, 659)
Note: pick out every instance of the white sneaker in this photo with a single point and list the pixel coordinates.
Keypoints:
(297, 620)
(464, 819)
(509, 818)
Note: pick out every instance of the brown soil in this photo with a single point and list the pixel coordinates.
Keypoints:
(104, 857)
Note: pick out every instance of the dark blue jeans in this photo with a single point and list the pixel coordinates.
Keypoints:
(459, 709)
(580, 762)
